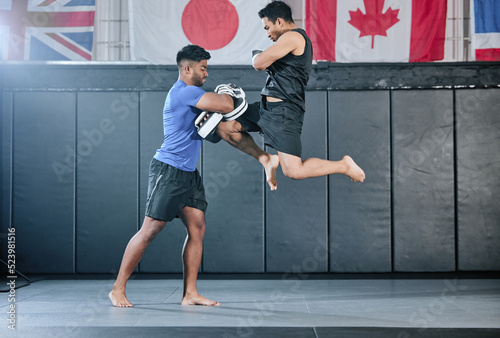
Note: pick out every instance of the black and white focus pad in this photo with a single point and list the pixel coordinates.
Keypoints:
(239, 99)
(207, 128)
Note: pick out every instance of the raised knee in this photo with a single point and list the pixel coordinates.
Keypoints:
(293, 173)
(227, 129)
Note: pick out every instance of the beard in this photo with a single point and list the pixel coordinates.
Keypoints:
(198, 80)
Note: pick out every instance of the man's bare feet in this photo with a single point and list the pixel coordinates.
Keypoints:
(198, 300)
(353, 170)
(119, 299)
(270, 168)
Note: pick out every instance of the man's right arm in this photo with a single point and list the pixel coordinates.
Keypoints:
(287, 43)
(212, 102)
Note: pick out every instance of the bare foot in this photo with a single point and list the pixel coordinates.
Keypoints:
(198, 300)
(119, 299)
(353, 170)
(270, 169)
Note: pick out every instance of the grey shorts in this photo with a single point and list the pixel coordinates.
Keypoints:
(279, 122)
(171, 189)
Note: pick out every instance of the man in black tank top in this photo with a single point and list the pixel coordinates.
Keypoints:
(279, 114)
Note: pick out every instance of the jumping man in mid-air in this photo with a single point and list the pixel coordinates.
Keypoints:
(280, 113)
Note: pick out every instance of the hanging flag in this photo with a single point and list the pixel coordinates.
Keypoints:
(46, 29)
(376, 30)
(5, 6)
(485, 25)
(229, 30)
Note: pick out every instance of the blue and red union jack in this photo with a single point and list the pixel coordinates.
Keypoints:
(46, 29)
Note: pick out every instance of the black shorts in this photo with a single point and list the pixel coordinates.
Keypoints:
(171, 189)
(279, 122)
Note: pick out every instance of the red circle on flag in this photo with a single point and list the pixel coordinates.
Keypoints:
(211, 24)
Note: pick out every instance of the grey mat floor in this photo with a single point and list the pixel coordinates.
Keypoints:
(259, 308)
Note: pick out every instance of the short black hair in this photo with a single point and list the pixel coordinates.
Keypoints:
(275, 10)
(192, 53)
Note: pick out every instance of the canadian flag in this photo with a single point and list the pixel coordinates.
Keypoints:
(377, 30)
(229, 30)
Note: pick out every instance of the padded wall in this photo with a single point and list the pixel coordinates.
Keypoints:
(6, 166)
(478, 179)
(164, 253)
(234, 186)
(106, 180)
(423, 204)
(360, 213)
(296, 213)
(43, 181)
(79, 219)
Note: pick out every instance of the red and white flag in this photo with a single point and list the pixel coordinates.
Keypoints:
(485, 26)
(46, 29)
(229, 30)
(376, 30)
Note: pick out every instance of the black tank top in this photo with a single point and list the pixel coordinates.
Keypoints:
(287, 77)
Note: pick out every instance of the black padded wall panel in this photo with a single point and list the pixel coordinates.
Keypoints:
(6, 166)
(234, 185)
(478, 179)
(424, 217)
(107, 182)
(163, 255)
(360, 217)
(296, 213)
(43, 181)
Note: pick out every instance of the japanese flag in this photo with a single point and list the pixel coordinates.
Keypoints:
(229, 30)
(377, 30)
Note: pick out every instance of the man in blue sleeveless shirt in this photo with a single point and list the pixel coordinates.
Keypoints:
(279, 115)
(175, 186)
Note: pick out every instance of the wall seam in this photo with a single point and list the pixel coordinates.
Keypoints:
(138, 209)
(328, 212)
(455, 178)
(75, 187)
(391, 159)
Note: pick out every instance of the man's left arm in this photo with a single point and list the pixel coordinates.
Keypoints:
(288, 42)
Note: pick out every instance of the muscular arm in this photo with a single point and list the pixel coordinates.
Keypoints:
(212, 102)
(289, 42)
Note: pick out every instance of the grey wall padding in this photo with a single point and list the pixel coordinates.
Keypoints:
(423, 205)
(43, 179)
(6, 167)
(296, 213)
(478, 179)
(360, 214)
(164, 253)
(106, 180)
(234, 185)
(75, 158)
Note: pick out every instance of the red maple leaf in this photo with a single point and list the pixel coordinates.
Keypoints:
(374, 22)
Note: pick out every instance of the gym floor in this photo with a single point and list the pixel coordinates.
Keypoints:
(281, 306)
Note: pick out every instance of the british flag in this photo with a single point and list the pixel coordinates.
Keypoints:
(46, 29)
